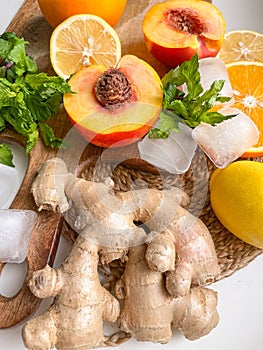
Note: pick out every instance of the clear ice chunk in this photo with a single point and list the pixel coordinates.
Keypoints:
(228, 140)
(16, 227)
(11, 178)
(173, 154)
(8, 177)
(211, 69)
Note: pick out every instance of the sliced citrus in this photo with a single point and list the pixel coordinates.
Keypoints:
(82, 40)
(247, 83)
(242, 45)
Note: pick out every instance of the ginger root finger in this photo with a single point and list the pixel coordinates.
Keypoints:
(196, 254)
(160, 254)
(48, 187)
(40, 333)
(200, 315)
(179, 282)
(46, 282)
(111, 308)
(196, 260)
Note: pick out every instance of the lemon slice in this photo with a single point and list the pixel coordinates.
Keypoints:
(83, 40)
(242, 45)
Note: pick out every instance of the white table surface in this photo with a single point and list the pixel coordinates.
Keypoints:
(240, 302)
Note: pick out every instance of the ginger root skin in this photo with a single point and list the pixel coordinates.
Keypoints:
(149, 311)
(196, 262)
(75, 319)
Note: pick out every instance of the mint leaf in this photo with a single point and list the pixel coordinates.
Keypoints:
(45, 94)
(192, 107)
(156, 133)
(167, 122)
(13, 49)
(190, 71)
(6, 156)
(42, 109)
(48, 136)
(46, 85)
(31, 138)
(179, 107)
(171, 92)
(7, 93)
(174, 76)
(214, 118)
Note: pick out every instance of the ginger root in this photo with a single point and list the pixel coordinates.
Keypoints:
(93, 210)
(75, 319)
(107, 224)
(149, 310)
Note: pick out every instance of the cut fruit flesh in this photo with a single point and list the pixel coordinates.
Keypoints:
(242, 45)
(157, 28)
(83, 40)
(247, 84)
(177, 29)
(112, 124)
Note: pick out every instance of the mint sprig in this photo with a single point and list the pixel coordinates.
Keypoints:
(27, 98)
(192, 107)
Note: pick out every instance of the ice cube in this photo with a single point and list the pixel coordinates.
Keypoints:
(8, 177)
(173, 154)
(228, 140)
(16, 228)
(211, 69)
(11, 178)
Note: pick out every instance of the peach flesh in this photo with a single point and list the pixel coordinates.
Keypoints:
(110, 118)
(175, 30)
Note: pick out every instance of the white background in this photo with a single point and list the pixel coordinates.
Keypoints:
(240, 296)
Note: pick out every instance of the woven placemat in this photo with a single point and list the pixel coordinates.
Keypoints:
(233, 254)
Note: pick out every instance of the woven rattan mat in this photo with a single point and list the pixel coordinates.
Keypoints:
(233, 254)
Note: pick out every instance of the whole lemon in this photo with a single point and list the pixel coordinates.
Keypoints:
(236, 195)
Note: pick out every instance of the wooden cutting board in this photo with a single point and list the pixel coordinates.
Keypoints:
(30, 24)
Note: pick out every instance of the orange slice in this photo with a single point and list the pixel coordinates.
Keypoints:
(82, 40)
(242, 45)
(247, 83)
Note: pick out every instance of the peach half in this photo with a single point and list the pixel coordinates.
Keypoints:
(117, 106)
(175, 30)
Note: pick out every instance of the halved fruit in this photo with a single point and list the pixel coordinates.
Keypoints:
(242, 45)
(177, 29)
(247, 84)
(82, 40)
(117, 106)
